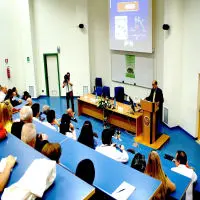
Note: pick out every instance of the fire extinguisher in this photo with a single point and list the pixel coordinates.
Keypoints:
(8, 72)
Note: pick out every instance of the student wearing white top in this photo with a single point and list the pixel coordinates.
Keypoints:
(111, 150)
(183, 168)
(3, 92)
(51, 120)
(69, 90)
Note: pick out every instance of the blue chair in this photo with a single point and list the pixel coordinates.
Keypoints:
(106, 91)
(98, 82)
(119, 94)
(98, 91)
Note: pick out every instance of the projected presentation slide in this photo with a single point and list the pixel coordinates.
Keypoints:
(131, 25)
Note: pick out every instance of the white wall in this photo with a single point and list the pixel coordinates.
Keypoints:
(173, 59)
(15, 40)
(55, 23)
(190, 66)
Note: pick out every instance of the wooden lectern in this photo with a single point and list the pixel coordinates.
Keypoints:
(150, 124)
(149, 121)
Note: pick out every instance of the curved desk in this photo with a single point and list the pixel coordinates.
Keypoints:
(109, 174)
(65, 186)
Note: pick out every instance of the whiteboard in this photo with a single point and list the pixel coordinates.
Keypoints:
(143, 69)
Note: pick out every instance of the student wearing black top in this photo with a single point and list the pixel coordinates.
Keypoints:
(85, 171)
(26, 116)
(139, 162)
(10, 96)
(86, 136)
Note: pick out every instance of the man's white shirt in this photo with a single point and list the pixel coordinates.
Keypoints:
(113, 153)
(185, 171)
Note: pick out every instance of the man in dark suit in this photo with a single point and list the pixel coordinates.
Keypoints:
(156, 95)
(26, 116)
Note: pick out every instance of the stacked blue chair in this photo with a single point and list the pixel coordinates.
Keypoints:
(119, 94)
(106, 91)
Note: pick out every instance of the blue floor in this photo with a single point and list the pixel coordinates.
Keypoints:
(179, 140)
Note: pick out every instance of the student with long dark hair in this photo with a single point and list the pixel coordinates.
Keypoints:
(66, 127)
(139, 162)
(9, 96)
(86, 136)
(85, 171)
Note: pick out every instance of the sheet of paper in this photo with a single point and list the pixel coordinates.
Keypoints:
(124, 191)
(3, 164)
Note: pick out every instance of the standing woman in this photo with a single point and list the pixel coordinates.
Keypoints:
(69, 90)
(154, 169)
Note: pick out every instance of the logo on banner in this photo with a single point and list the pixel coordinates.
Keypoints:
(146, 121)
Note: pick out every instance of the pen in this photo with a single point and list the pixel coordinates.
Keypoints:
(121, 190)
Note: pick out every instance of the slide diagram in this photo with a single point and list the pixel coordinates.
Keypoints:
(121, 28)
(131, 25)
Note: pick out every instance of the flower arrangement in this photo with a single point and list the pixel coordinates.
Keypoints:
(103, 103)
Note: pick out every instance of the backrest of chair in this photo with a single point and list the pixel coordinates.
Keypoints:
(119, 94)
(98, 91)
(98, 82)
(106, 91)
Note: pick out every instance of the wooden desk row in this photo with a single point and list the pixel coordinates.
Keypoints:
(121, 116)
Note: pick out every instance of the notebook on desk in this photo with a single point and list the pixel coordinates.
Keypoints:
(124, 191)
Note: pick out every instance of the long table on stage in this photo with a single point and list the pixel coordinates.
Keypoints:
(121, 116)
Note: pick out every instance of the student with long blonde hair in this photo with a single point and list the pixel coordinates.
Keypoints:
(154, 169)
(6, 115)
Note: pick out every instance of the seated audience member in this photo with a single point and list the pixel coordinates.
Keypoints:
(154, 169)
(4, 176)
(14, 90)
(26, 116)
(28, 134)
(111, 150)
(86, 136)
(45, 109)
(3, 132)
(10, 97)
(52, 151)
(70, 113)
(30, 137)
(183, 168)
(139, 162)
(36, 111)
(3, 92)
(67, 128)
(29, 102)
(85, 171)
(26, 95)
(51, 120)
(6, 115)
